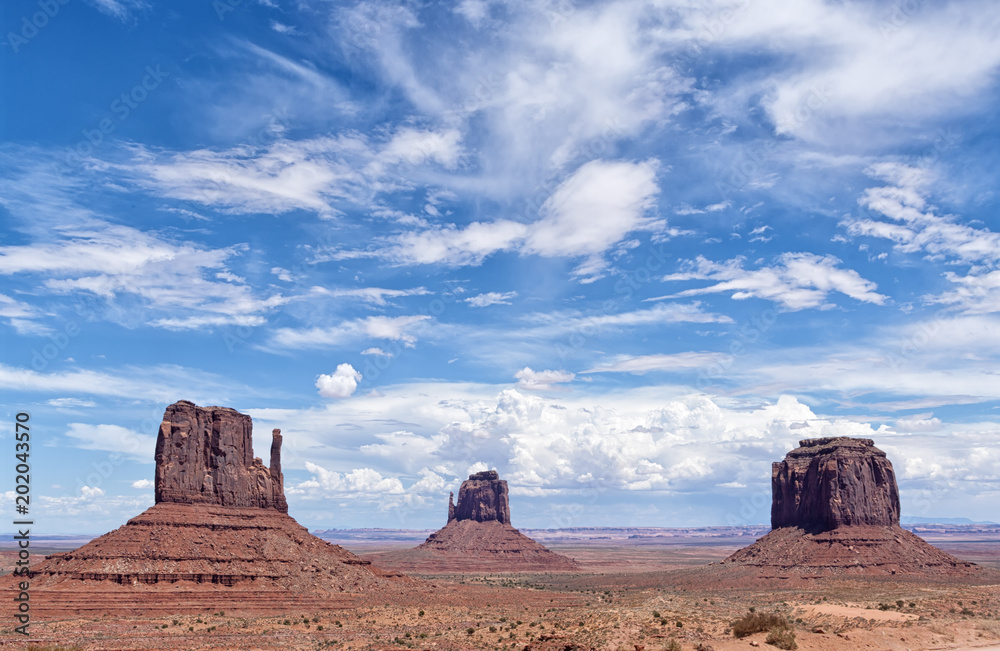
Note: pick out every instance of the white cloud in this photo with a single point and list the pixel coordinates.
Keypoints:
(375, 351)
(70, 403)
(491, 298)
(859, 69)
(120, 9)
(659, 362)
(547, 324)
(797, 282)
(142, 484)
(22, 317)
(398, 328)
(373, 295)
(286, 175)
(342, 383)
(283, 29)
(918, 424)
(119, 263)
(452, 245)
(161, 383)
(541, 380)
(113, 438)
(594, 209)
(915, 227)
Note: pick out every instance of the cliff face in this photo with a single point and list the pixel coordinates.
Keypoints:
(204, 455)
(833, 482)
(483, 497)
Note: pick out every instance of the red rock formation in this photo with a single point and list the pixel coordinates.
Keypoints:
(204, 455)
(835, 510)
(219, 536)
(832, 482)
(478, 537)
(483, 497)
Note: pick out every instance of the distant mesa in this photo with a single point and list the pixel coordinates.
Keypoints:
(483, 497)
(478, 537)
(218, 536)
(835, 510)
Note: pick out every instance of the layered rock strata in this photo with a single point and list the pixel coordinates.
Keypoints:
(218, 537)
(835, 510)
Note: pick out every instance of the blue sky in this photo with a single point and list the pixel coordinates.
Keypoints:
(627, 252)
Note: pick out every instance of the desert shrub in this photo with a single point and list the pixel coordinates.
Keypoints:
(783, 638)
(673, 645)
(754, 622)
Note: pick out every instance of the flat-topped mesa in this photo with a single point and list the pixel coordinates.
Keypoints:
(483, 497)
(827, 483)
(204, 455)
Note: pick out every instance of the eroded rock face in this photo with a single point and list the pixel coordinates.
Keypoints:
(833, 482)
(204, 455)
(483, 497)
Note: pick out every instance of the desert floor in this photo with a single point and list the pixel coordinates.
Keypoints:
(627, 596)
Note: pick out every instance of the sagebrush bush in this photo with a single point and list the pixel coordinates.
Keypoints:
(783, 638)
(754, 622)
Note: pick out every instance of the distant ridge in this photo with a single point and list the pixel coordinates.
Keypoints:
(913, 519)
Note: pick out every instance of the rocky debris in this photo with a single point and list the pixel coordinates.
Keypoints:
(832, 482)
(218, 536)
(835, 511)
(478, 537)
(483, 497)
(204, 455)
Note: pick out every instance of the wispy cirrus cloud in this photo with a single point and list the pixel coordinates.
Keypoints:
(167, 284)
(399, 328)
(798, 281)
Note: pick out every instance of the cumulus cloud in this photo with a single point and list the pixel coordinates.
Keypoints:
(342, 383)
(142, 483)
(541, 380)
(673, 444)
(799, 281)
(369, 486)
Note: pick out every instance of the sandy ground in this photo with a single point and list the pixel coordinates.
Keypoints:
(623, 598)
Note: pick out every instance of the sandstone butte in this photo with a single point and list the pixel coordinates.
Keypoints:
(218, 537)
(479, 537)
(835, 512)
